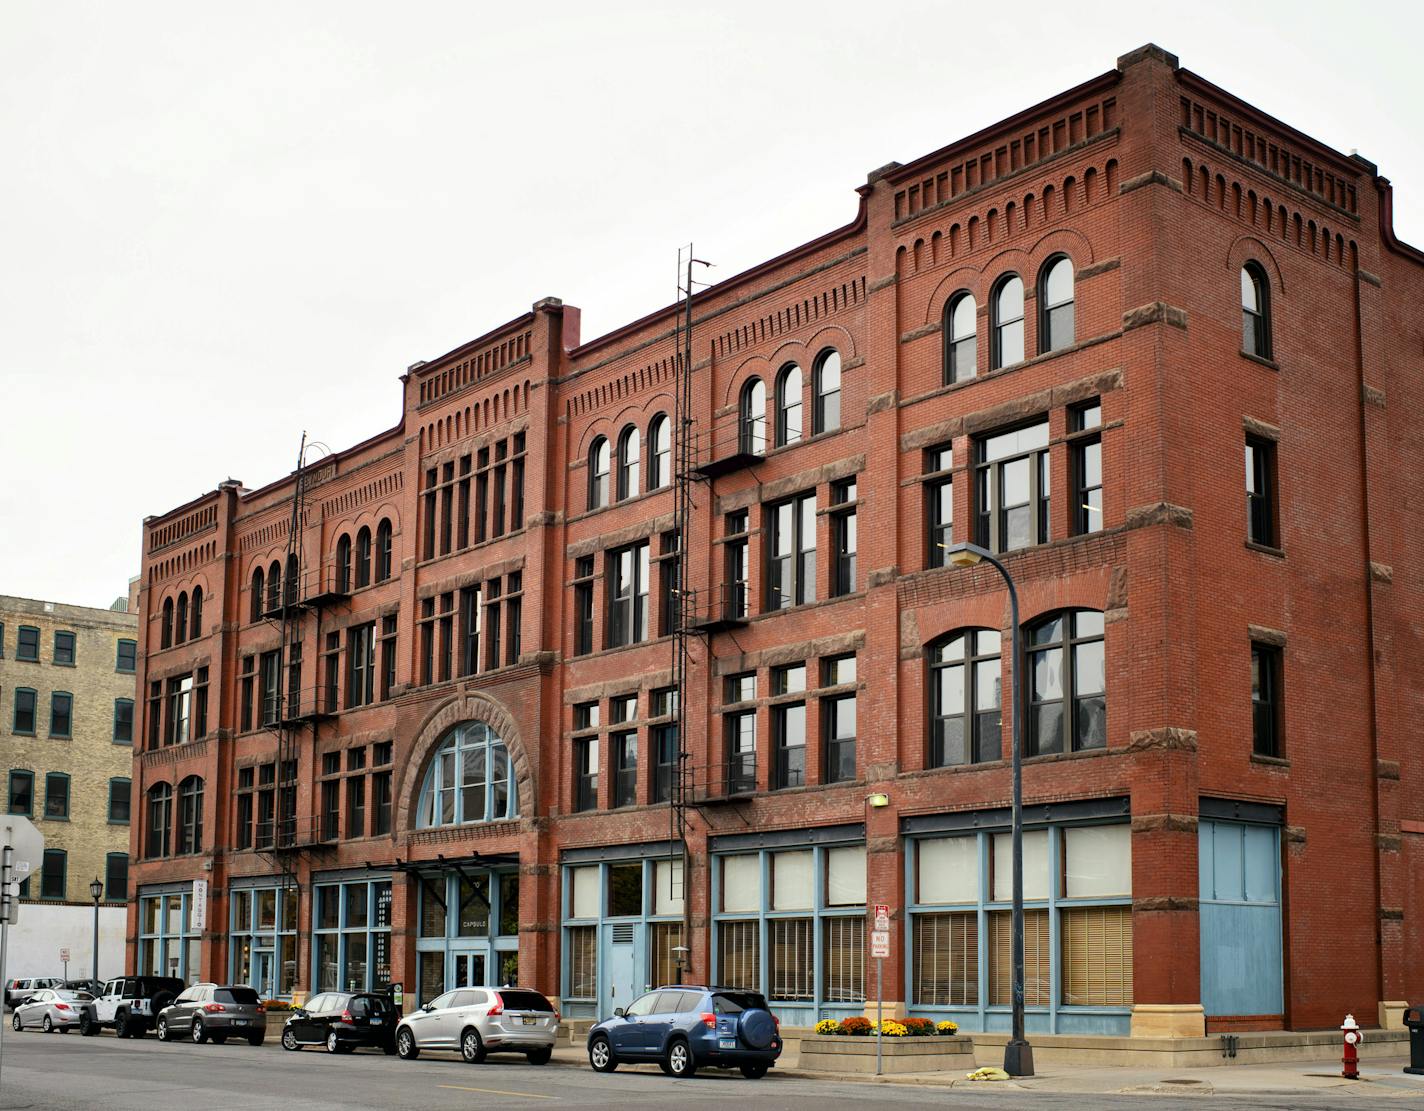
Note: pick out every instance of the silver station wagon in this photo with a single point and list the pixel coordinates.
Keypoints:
(477, 1021)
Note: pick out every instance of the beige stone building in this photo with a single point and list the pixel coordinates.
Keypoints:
(67, 676)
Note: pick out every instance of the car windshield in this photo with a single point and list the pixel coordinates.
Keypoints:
(81, 996)
(362, 1005)
(524, 1001)
(237, 995)
(735, 1002)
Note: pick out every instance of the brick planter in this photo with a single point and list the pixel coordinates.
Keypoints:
(844, 1053)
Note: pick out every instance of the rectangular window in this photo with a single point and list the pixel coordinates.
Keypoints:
(739, 955)
(64, 648)
(736, 565)
(513, 616)
(791, 553)
(119, 801)
(22, 792)
(200, 695)
(24, 721)
(57, 796)
(331, 809)
(1261, 492)
(1012, 489)
(939, 504)
(243, 835)
(583, 605)
(516, 485)
(249, 672)
(482, 479)
(843, 941)
(427, 641)
(52, 875)
(492, 598)
(180, 705)
(27, 646)
(127, 658)
(628, 595)
(356, 806)
(624, 748)
(663, 739)
(1037, 974)
(792, 962)
(446, 629)
(741, 752)
(380, 802)
(61, 714)
(1087, 466)
(361, 665)
(583, 962)
(116, 877)
(271, 689)
(586, 773)
(838, 722)
(331, 672)
(586, 715)
(946, 952)
(788, 679)
(669, 590)
(1266, 700)
(1096, 956)
(788, 731)
(388, 655)
(843, 537)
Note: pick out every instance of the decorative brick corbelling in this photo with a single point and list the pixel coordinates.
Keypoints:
(1163, 513)
(1157, 312)
(1170, 739)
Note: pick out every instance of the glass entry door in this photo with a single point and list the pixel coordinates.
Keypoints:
(467, 970)
(264, 965)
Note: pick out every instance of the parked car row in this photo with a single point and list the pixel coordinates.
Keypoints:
(50, 1009)
(19, 990)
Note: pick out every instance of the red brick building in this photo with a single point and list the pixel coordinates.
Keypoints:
(1156, 346)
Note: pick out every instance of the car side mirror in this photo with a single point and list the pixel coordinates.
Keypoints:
(619, 1012)
(428, 1007)
(299, 1012)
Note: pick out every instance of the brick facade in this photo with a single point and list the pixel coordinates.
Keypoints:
(1159, 187)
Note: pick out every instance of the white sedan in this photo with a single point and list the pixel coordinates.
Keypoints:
(50, 1010)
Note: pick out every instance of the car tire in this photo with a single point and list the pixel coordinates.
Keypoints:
(256, 1039)
(600, 1055)
(199, 1033)
(679, 1061)
(472, 1047)
(333, 1042)
(754, 1072)
(540, 1056)
(389, 1049)
(47, 1024)
(87, 1027)
(162, 1030)
(406, 1048)
(289, 1040)
(219, 1039)
(15, 1022)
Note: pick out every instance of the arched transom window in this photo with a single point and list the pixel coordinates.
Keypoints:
(469, 780)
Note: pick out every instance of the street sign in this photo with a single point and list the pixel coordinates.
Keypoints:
(879, 943)
(198, 912)
(21, 867)
(64, 956)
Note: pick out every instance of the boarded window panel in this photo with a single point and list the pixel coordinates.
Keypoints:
(741, 883)
(585, 892)
(792, 881)
(792, 958)
(1036, 958)
(1227, 864)
(948, 870)
(1035, 865)
(1098, 861)
(667, 893)
(1097, 956)
(947, 959)
(845, 876)
(844, 960)
(739, 954)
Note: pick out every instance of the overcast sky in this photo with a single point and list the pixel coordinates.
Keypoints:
(222, 224)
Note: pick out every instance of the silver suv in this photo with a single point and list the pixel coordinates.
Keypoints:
(477, 1021)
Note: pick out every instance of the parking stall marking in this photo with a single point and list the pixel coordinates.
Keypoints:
(499, 1092)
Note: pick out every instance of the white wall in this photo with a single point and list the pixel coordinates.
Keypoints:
(45, 928)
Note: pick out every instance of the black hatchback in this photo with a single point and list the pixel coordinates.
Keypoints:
(342, 1022)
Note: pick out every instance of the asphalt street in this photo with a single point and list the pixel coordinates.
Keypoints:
(41, 1072)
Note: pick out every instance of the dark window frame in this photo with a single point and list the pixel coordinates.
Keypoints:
(33, 711)
(1000, 325)
(54, 874)
(130, 652)
(791, 576)
(600, 461)
(1267, 699)
(27, 777)
(127, 784)
(938, 479)
(790, 403)
(630, 463)
(961, 349)
(972, 717)
(826, 401)
(1256, 338)
(1085, 458)
(67, 656)
(1056, 315)
(66, 732)
(52, 781)
(1070, 701)
(1262, 492)
(751, 417)
(991, 514)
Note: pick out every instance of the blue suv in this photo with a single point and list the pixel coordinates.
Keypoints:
(683, 1028)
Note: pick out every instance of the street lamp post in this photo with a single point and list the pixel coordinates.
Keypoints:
(96, 889)
(1018, 1054)
(877, 801)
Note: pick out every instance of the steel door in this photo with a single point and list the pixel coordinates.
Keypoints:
(1239, 892)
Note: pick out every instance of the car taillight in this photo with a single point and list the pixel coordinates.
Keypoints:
(498, 1008)
(61, 1006)
(345, 1016)
(261, 1008)
(556, 1018)
(709, 1020)
(777, 1021)
(213, 1008)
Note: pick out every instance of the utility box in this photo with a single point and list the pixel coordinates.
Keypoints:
(1414, 1022)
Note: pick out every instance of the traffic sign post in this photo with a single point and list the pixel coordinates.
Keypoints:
(880, 949)
(64, 960)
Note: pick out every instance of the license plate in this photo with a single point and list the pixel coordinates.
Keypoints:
(240, 1021)
(726, 1043)
(528, 1020)
(375, 1022)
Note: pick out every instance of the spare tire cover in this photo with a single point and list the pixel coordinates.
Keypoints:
(758, 1028)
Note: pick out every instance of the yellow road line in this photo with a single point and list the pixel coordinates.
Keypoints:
(498, 1092)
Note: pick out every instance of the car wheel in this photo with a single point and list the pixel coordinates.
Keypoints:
(753, 1072)
(680, 1062)
(87, 1029)
(289, 1040)
(540, 1056)
(199, 1034)
(472, 1048)
(162, 1030)
(600, 1055)
(47, 1024)
(15, 1021)
(405, 1045)
(333, 1043)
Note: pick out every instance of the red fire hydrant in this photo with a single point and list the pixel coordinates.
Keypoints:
(1353, 1037)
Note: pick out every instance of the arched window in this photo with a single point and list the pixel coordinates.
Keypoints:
(1067, 683)
(788, 405)
(166, 640)
(343, 563)
(630, 462)
(751, 423)
(961, 349)
(258, 592)
(383, 551)
(195, 618)
(966, 700)
(289, 598)
(363, 557)
(1055, 304)
(659, 452)
(826, 385)
(160, 820)
(190, 816)
(599, 463)
(1255, 311)
(1008, 321)
(274, 586)
(468, 780)
(180, 618)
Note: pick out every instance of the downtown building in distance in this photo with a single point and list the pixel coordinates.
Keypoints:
(436, 709)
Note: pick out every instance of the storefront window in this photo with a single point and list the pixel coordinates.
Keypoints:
(168, 946)
(262, 939)
(352, 938)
